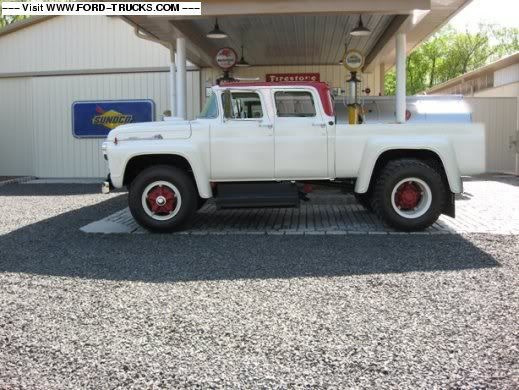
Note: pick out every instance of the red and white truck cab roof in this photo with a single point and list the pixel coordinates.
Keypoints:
(323, 89)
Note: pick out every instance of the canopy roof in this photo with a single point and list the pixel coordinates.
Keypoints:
(295, 32)
(301, 32)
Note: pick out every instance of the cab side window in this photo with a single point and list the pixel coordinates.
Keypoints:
(242, 105)
(294, 104)
(210, 109)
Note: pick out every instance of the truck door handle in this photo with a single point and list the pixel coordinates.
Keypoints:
(266, 125)
(319, 124)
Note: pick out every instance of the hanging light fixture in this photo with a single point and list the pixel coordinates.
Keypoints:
(360, 30)
(242, 63)
(216, 33)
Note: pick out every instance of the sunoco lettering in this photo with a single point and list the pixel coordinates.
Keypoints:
(116, 119)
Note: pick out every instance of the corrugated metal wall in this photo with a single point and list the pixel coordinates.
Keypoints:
(78, 42)
(507, 75)
(36, 93)
(500, 116)
(334, 75)
(35, 119)
(16, 131)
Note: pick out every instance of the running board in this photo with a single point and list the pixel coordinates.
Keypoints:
(256, 194)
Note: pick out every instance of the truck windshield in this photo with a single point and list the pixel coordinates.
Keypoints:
(210, 109)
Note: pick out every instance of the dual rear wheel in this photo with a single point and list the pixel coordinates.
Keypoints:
(408, 195)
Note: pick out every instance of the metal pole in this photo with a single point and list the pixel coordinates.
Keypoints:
(400, 77)
(517, 141)
(181, 78)
(172, 83)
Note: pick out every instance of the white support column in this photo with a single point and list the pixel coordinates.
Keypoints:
(172, 83)
(181, 79)
(400, 77)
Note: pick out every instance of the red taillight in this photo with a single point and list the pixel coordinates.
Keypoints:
(407, 115)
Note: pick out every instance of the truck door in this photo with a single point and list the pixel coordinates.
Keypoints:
(300, 135)
(242, 144)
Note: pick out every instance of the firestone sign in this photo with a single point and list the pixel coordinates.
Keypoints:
(283, 77)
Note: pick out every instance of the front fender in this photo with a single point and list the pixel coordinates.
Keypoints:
(376, 146)
(121, 154)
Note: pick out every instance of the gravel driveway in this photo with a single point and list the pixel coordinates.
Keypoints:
(144, 311)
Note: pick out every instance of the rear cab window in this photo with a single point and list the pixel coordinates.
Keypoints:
(299, 104)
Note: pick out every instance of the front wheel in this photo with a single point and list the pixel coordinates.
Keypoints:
(162, 198)
(409, 195)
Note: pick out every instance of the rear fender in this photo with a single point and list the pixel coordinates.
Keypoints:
(440, 146)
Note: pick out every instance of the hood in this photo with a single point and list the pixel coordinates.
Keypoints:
(170, 129)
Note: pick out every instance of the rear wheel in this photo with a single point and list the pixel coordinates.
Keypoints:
(162, 198)
(409, 195)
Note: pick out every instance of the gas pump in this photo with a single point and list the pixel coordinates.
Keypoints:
(353, 61)
(354, 107)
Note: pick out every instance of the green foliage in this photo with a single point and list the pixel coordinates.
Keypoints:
(5, 20)
(449, 54)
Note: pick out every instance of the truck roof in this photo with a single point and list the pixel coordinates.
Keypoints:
(322, 88)
(315, 84)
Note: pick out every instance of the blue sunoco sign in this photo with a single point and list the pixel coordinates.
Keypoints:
(95, 119)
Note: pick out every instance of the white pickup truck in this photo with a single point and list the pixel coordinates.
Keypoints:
(254, 143)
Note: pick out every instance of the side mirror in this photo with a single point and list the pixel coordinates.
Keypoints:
(227, 104)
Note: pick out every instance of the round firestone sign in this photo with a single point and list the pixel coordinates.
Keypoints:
(226, 58)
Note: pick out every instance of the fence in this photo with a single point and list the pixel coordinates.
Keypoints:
(500, 116)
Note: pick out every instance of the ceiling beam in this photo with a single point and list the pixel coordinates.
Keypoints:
(197, 45)
(385, 38)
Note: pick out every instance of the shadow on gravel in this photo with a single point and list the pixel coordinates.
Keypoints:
(56, 247)
(49, 189)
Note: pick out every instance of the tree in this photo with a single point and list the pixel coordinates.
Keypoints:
(5, 20)
(449, 54)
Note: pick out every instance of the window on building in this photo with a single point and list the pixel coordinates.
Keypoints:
(294, 104)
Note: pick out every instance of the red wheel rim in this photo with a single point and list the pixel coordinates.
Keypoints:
(161, 200)
(408, 195)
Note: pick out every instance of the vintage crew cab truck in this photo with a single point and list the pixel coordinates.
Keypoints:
(254, 143)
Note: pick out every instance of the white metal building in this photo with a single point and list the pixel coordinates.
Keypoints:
(497, 79)
(492, 92)
(47, 64)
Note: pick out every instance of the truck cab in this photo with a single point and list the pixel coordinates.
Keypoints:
(254, 144)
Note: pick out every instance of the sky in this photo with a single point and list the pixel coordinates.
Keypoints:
(501, 12)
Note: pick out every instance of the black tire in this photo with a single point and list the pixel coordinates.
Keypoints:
(180, 180)
(394, 173)
(364, 200)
